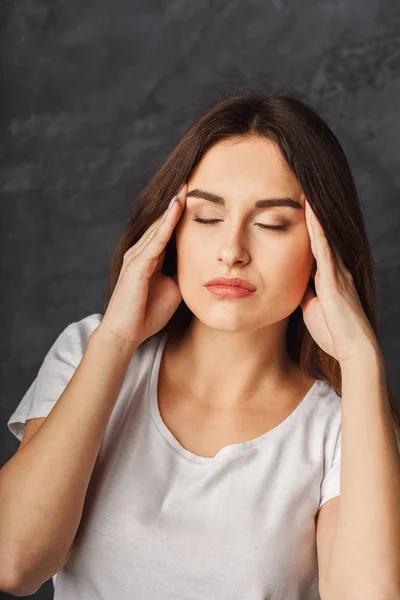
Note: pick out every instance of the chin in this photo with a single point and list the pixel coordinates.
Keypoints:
(222, 317)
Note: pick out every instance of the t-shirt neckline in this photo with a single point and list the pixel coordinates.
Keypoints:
(236, 448)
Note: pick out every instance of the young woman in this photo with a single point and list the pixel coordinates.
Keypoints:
(185, 443)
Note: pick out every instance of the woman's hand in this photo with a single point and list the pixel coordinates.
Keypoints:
(334, 316)
(144, 299)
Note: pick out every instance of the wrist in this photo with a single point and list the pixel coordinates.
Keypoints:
(106, 338)
(368, 360)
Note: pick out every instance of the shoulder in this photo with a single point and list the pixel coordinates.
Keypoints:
(83, 328)
(69, 345)
(76, 334)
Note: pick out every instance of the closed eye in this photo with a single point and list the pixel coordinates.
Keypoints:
(274, 227)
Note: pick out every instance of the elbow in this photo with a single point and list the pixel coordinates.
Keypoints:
(16, 582)
(11, 584)
(20, 582)
(17, 587)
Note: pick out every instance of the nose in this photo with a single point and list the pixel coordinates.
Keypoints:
(232, 248)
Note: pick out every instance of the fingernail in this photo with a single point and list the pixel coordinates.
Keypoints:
(182, 187)
(170, 205)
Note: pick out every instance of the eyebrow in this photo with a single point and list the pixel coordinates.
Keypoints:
(265, 203)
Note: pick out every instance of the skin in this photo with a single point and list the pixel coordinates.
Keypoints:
(233, 357)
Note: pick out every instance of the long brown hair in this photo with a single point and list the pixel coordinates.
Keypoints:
(316, 158)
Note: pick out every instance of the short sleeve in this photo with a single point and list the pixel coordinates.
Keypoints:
(330, 486)
(54, 374)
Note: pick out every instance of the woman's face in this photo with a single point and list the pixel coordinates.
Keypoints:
(278, 263)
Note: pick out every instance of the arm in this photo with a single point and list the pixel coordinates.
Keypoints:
(43, 486)
(365, 558)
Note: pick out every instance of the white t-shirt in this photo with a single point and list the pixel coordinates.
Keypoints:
(160, 522)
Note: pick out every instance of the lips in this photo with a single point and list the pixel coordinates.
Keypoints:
(232, 281)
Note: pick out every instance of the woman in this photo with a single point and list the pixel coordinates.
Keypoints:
(193, 431)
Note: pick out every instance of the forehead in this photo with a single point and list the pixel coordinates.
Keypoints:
(240, 167)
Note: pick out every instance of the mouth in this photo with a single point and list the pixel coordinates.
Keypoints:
(236, 282)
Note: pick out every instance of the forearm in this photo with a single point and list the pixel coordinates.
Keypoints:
(365, 558)
(43, 487)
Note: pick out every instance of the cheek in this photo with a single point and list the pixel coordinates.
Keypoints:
(187, 249)
(293, 265)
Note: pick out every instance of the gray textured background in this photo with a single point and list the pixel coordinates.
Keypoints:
(95, 94)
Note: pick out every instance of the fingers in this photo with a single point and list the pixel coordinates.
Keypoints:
(149, 233)
(143, 243)
(182, 192)
(162, 234)
(164, 223)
